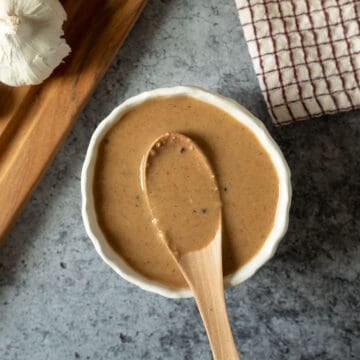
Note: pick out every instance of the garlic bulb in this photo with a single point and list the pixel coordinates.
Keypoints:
(31, 43)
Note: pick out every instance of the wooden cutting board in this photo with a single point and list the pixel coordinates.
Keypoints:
(35, 120)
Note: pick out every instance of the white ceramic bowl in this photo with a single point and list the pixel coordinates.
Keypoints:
(114, 260)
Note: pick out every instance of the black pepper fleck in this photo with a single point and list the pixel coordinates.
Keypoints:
(63, 265)
(225, 189)
(182, 150)
(77, 355)
(125, 338)
(204, 211)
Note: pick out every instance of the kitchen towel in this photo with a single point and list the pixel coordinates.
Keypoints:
(306, 55)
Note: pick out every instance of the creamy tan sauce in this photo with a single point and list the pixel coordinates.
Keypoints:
(183, 196)
(246, 177)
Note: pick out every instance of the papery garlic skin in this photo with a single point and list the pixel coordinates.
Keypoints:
(31, 40)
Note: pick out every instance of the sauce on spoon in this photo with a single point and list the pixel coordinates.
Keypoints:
(182, 192)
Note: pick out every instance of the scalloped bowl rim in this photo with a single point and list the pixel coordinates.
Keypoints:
(114, 260)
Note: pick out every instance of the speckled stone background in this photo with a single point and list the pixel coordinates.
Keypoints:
(58, 300)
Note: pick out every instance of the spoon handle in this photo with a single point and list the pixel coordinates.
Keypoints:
(208, 290)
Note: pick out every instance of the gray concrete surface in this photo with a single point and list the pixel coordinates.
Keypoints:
(58, 300)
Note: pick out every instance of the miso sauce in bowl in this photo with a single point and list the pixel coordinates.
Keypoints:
(253, 178)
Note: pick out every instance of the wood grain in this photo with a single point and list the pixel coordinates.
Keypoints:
(202, 270)
(35, 120)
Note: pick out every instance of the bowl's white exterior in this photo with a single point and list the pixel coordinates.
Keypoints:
(114, 260)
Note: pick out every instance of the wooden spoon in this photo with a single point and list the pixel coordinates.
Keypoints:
(183, 198)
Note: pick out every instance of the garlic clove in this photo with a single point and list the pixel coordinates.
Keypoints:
(31, 40)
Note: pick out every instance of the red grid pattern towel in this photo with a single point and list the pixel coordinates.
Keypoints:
(306, 55)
